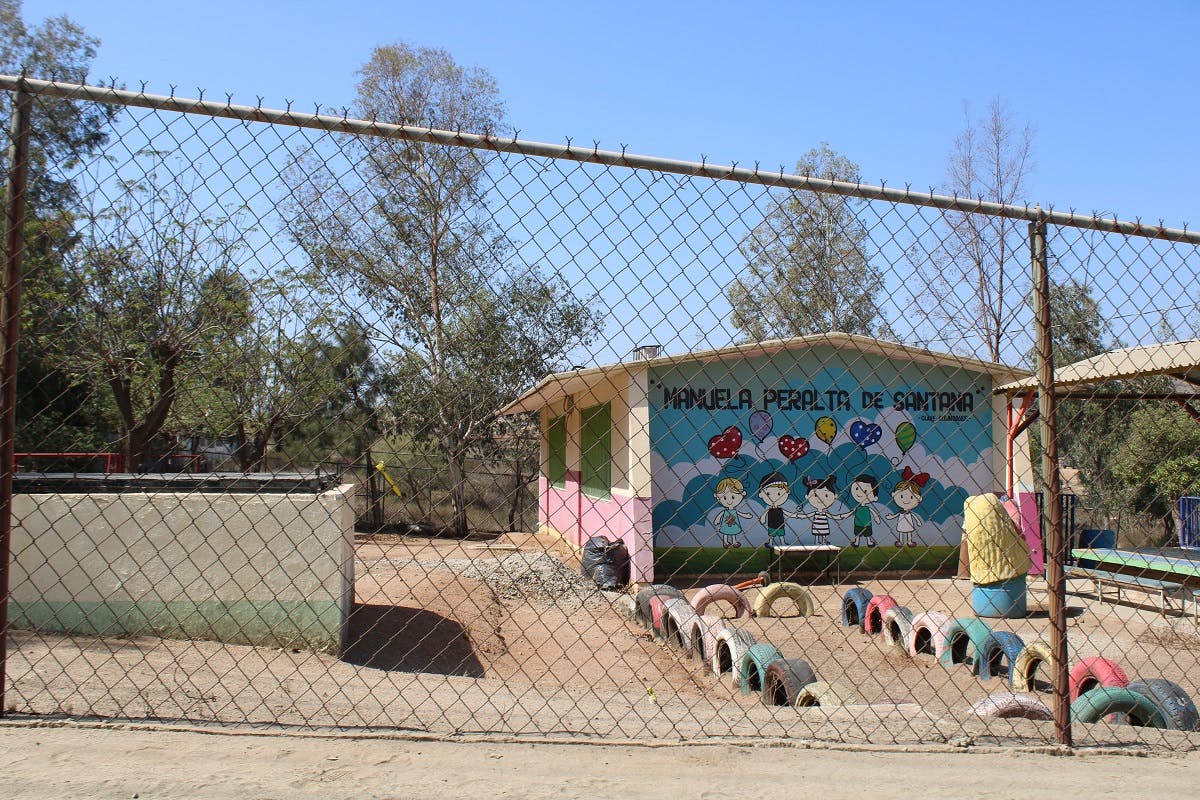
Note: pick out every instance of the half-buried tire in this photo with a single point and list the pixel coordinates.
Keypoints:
(927, 636)
(854, 607)
(1011, 705)
(721, 591)
(1096, 671)
(877, 606)
(784, 680)
(998, 656)
(962, 641)
(641, 601)
(677, 627)
(1134, 708)
(729, 647)
(897, 622)
(826, 695)
(764, 604)
(1177, 708)
(1032, 658)
(753, 669)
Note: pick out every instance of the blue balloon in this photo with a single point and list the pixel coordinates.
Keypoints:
(865, 434)
(761, 424)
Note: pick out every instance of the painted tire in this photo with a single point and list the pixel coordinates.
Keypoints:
(641, 601)
(854, 607)
(962, 641)
(753, 669)
(702, 646)
(657, 615)
(1029, 661)
(877, 606)
(998, 656)
(677, 623)
(721, 591)
(1096, 671)
(765, 602)
(729, 649)
(784, 680)
(1135, 708)
(1177, 708)
(897, 622)
(1011, 705)
(826, 695)
(928, 633)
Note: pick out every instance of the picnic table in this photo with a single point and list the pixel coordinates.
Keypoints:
(1128, 569)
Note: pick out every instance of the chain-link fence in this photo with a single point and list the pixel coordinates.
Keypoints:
(330, 422)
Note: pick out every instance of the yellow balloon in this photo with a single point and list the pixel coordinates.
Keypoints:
(826, 429)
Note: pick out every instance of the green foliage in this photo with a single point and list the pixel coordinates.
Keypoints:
(1158, 461)
(807, 269)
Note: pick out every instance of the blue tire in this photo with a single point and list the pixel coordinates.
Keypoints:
(998, 656)
(754, 666)
(963, 642)
(854, 607)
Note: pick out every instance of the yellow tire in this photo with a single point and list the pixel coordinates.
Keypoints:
(1033, 657)
(765, 602)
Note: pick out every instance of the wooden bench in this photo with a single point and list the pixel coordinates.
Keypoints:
(1099, 577)
(805, 551)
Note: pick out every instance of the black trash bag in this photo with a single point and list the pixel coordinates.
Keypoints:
(606, 563)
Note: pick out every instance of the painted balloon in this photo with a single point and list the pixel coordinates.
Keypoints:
(865, 434)
(826, 429)
(906, 436)
(761, 424)
(726, 444)
(793, 447)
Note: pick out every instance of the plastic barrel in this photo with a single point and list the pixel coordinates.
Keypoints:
(1003, 599)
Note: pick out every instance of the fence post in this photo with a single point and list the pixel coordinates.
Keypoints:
(1051, 481)
(10, 324)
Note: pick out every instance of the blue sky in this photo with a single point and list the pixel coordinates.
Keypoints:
(1106, 85)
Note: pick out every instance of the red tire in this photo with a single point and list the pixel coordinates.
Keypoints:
(721, 591)
(1096, 671)
(877, 606)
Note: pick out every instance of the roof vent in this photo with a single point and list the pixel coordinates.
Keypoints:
(646, 352)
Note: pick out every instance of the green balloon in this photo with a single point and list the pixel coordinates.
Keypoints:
(906, 436)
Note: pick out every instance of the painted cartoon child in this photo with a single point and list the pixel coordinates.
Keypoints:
(907, 496)
(774, 490)
(865, 491)
(730, 493)
(822, 494)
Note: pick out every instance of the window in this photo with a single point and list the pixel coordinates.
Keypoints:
(595, 450)
(556, 437)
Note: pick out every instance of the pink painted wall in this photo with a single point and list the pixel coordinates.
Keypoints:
(576, 516)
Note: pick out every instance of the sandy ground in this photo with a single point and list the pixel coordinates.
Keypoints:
(433, 650)
(80, 762)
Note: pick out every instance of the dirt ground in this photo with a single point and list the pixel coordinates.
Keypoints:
(49, 763)
(434, 649)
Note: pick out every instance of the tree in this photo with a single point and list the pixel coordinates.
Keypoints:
(975, 274)
(150, 289)
(1158, 461)
(55, 410)
(807, 267)
(465, 324)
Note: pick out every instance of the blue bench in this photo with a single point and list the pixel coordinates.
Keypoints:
(1099, 577)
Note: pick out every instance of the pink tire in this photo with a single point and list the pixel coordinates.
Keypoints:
(877, 606)
(1096, 671)
(928, 634)
(657, 614)
(1012, 705)
(721, 591)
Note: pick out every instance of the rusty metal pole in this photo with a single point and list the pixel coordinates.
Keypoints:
(10, 319)
(1051, 481)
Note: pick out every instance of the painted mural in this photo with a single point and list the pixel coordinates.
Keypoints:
(820, 446)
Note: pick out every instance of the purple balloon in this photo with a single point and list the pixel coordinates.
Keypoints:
(865, 434)
(761, 424)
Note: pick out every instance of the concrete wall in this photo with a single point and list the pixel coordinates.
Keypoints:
(260, 569)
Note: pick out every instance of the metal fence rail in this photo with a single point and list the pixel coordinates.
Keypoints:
(839, 400)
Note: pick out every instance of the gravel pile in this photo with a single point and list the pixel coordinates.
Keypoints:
(537, 576)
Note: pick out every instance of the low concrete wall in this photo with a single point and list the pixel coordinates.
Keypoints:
(260, 569)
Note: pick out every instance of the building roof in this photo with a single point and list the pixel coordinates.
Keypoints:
(562, 384)
(1180, 360)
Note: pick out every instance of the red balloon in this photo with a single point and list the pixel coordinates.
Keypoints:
(727, 444)
(793, 448)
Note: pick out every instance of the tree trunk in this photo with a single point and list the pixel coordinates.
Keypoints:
(518, 484)
(458, 486)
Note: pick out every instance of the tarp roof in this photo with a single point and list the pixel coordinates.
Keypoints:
(1179, 360)
(559, 385)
